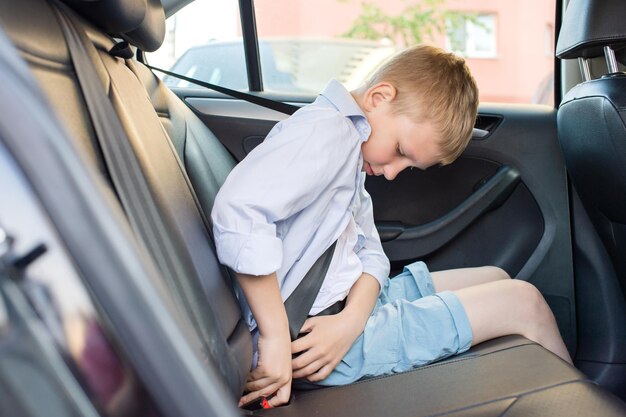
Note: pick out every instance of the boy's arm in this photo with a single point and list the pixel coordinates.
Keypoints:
(281, 177)
(371, 254)
(330, 337)
(273, 373)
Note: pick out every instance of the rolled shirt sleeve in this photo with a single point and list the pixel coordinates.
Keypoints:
(278, 179)
(371, 253)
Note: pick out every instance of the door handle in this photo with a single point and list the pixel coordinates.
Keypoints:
(416, 241)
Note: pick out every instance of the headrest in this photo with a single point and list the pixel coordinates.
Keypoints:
(140, 22)
(149, 35)
(112, 16)
(590, 25)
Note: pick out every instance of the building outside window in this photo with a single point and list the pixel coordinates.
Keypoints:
(474, 38)
(508, 45)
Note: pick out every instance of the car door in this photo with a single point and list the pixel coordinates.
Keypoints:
(504, 202)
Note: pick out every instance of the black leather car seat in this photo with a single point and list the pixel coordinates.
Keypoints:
(516, 376)
(592, 134)
(205, 159)
(592, 121)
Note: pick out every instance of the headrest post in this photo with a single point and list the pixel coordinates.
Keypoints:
(585, 71)
(611, 61)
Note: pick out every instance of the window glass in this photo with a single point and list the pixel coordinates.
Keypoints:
(304, 44)
(203, 41)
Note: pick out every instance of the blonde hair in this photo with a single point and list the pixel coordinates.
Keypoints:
(434, 85)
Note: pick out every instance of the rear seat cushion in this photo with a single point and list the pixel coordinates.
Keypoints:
(506, 376)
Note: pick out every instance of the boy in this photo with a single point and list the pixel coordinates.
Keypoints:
(303, 189)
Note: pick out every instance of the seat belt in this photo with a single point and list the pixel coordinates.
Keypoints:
(135, 196)
(278, 106)
(299, 303)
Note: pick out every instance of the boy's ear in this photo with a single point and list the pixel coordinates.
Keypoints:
(382, 92)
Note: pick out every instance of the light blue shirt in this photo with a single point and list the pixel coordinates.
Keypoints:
(296, 193)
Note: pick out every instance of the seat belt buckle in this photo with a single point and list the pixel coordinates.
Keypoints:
(257, 404)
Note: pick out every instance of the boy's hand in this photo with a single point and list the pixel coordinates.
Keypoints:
(328, 340)
(273, 373)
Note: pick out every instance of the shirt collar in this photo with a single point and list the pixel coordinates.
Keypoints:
(341, 98)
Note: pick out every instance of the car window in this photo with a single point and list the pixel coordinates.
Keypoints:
(508, 45)
(203, 41)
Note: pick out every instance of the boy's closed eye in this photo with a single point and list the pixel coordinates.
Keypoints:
(402, 154)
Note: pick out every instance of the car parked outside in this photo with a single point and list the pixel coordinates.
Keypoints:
(288, 64)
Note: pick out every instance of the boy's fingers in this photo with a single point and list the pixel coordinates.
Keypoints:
(308, 325)
(282, 396)
(301, 344)
(308, 370)
(265, 392)
(305, 359)
(258, 385)
(257, 374)
(321, 373)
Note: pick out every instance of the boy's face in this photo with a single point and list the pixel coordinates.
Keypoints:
(397, 142)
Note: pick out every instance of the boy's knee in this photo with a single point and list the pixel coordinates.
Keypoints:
(535, 308)
(495, 273)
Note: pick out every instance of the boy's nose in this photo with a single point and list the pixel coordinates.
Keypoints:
(390, 172)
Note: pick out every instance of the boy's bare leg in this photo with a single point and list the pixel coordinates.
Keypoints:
(455, 279)
(504, 307)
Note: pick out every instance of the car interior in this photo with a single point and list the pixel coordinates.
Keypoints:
(113, 301)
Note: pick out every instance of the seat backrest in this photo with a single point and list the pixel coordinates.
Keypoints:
(205, 159)
(592, 121)
(204, 295)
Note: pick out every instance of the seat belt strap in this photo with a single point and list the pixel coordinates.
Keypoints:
(278, 106)
(299, 303)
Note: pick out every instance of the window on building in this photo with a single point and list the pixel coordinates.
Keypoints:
(473, 37)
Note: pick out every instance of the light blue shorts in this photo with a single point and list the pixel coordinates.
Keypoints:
(410, 326)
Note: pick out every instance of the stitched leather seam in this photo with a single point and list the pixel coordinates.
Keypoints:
(517, 397)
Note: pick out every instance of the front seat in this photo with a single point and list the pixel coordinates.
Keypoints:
(592, 121)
